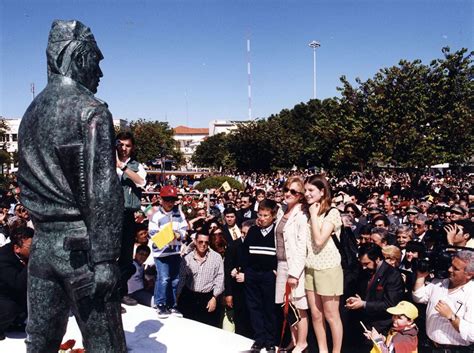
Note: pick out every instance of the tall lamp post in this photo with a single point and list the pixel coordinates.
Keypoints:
(314, 44)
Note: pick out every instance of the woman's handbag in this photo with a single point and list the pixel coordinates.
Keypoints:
(291, 315)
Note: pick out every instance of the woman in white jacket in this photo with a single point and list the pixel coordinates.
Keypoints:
(291, 235)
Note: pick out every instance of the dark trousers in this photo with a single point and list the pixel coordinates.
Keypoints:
(260, 293)
(241, 313)
(10, 312)
(125, 260)
(193, 306)
(440, 348)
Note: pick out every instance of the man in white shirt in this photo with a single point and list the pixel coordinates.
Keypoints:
(450, 310)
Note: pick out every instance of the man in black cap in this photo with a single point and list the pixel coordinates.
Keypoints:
(70, 187)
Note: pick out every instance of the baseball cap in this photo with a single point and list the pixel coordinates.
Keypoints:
(169, 191)
(404, 308)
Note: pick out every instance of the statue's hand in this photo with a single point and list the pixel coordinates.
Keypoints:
(106, 276)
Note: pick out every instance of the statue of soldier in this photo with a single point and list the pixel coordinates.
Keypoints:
(70, 187)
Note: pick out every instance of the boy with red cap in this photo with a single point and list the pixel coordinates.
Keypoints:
(403, 336)
(167, 259)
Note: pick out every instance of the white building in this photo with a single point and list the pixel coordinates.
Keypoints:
(187, 139)
(225, 126)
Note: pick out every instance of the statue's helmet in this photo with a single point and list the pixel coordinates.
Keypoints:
(65, 38)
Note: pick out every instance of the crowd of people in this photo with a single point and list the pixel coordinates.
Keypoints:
(365, 262)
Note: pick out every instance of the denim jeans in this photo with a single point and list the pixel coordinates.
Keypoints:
(167, 280)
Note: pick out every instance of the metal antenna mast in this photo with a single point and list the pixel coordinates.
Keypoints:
(249, 81)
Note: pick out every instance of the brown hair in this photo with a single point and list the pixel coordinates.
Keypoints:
(322, 184)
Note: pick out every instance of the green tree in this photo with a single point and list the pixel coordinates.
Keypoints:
(450, 106)
(213, 152)
(154, 139)
(410, 115)
(252, 145)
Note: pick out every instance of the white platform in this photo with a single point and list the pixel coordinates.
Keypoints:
(145, 333)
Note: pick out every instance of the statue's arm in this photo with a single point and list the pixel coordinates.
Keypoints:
(104, 198)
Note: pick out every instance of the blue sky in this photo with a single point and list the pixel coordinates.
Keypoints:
(185, 61)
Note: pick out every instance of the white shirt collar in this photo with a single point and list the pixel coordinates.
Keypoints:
(267, 230)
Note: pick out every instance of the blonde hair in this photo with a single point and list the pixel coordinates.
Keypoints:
(300, 182)
(392, 252)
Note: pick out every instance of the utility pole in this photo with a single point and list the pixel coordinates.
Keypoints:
(314, 44)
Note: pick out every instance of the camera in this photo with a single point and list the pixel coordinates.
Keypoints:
(437, 262)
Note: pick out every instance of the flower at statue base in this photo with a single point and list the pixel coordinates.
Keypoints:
(67, 347)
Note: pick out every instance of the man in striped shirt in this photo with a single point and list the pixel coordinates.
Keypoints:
(201, 281)
(260, 276)
(450, 310)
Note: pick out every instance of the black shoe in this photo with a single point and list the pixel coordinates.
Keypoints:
(256, 347)
(129, 301)
(2, 336)
(163, 312)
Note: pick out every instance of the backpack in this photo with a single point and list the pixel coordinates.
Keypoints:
(347, 246)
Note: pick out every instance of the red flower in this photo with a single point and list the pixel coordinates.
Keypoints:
(67, 345)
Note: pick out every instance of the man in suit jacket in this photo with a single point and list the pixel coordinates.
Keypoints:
(234, 277)
(380, 287)
(246, 210)
(13, 273)
(230, 228)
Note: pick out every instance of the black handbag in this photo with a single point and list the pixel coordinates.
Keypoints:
(291, 315)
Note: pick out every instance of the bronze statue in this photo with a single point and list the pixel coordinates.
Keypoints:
(70, 187)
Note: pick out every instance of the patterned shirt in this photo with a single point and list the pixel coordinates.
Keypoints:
(461, 302)
(202, 276)
(326, 256)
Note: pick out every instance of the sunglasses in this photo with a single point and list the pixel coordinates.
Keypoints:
(292, 191)
(205, 242)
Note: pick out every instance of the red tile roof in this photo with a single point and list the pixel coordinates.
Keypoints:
(184, 130)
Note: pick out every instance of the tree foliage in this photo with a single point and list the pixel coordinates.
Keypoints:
(213, 153)
(216, 183)
(154, 139)
(410, 115)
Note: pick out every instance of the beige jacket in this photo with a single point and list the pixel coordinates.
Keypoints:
(295, 234)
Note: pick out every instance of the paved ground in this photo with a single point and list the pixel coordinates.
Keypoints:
(146, 333)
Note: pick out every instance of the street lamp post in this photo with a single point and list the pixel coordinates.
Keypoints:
(314, 44)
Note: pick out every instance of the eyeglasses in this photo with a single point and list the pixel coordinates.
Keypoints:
(416, 225)
(201, 242)
(292, 191)
(351, 212)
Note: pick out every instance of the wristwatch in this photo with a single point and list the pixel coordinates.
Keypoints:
(124, 168)
(452, 318)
